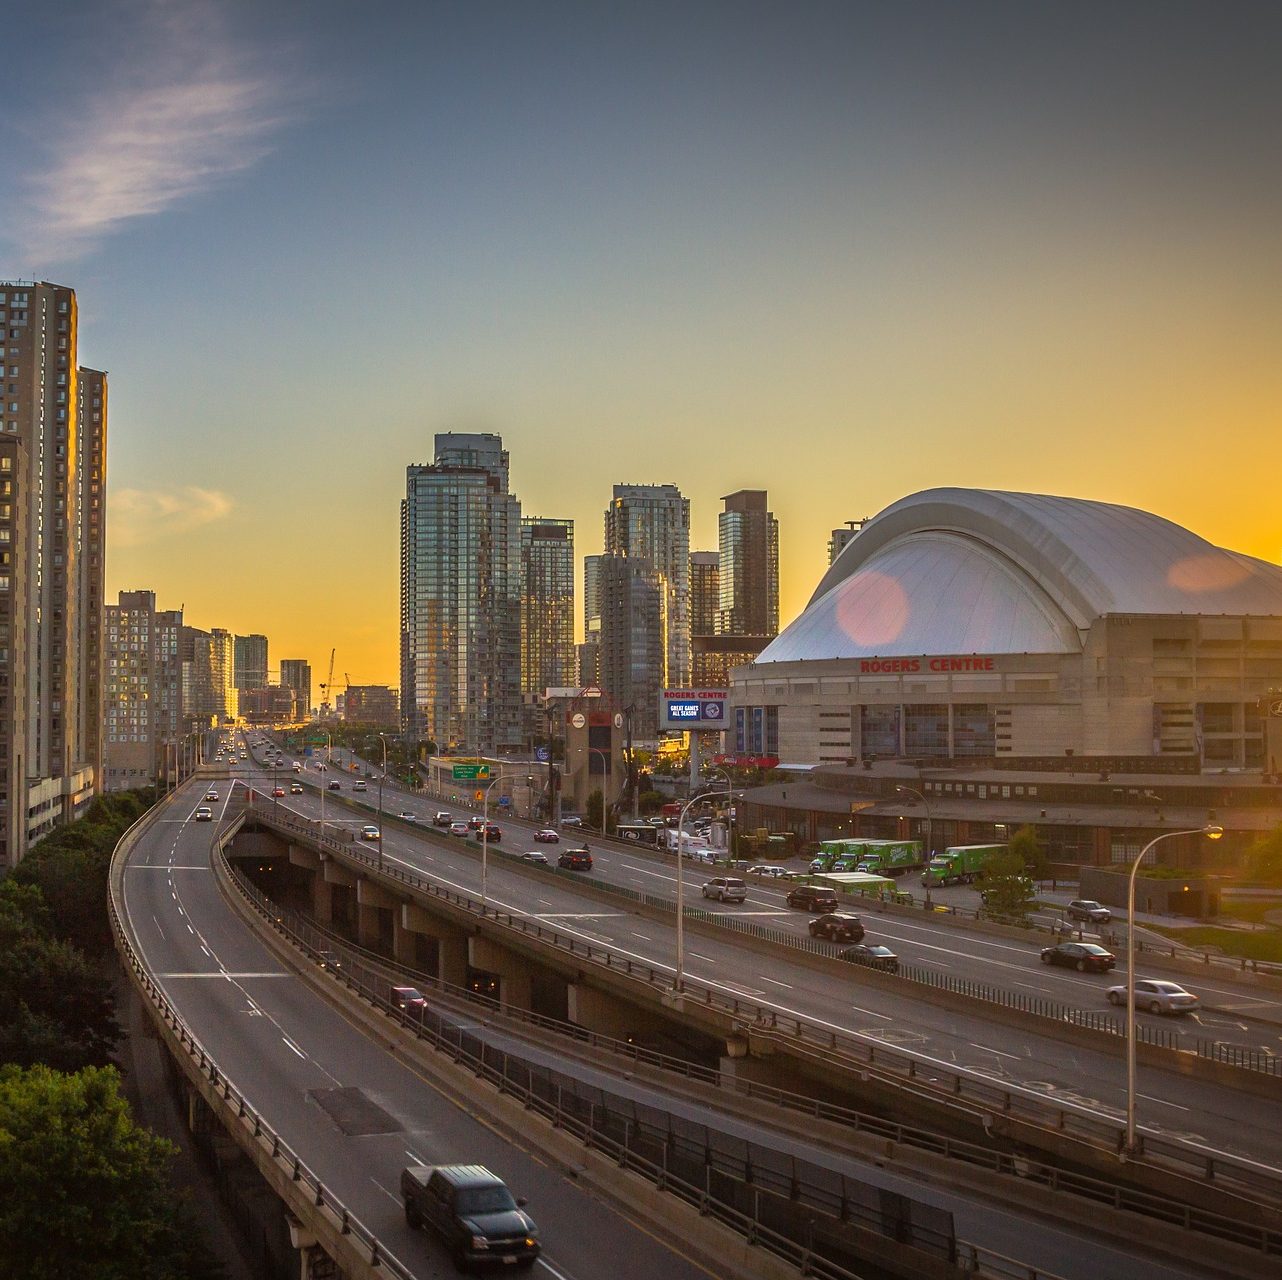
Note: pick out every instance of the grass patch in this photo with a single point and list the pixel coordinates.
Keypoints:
(1252, 911)
(1261, 944)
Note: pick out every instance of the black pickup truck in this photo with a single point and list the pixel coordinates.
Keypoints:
(473, 1213)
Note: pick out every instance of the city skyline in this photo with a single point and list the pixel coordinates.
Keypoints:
(722, 249)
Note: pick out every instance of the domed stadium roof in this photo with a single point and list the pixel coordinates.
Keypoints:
(963, 571)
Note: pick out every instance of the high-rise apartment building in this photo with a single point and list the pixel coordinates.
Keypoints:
(296, 673)
(547, 604)
(840, 537)
(52, 507)
(372, 704)
(746, 616)
(209, 660)
(250, 662)
(461, 597)
(705, 592)
(634, 638)
(651, 523)
(748, 535)
(143, 729)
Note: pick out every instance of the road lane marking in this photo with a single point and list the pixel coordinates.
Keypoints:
(645, 937)
(290, 1044)
(386, 1192)
(872, 1013)
(698, 955)
(761, 977)
(985, 1049)
(1163, 1101)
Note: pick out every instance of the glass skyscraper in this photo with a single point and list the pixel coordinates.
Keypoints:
(547, 604)
(461, 597)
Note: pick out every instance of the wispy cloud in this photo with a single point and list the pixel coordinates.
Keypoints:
(139, 516)
(187, 108)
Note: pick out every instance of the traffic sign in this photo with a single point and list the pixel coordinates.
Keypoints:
(470, 772)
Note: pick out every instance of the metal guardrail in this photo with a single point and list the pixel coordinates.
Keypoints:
(367, 973)
(236, 1108)
(892, 1064)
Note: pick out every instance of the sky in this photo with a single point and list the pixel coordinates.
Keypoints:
(841, 252)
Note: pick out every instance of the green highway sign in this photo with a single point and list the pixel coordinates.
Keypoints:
(316, 742)
(470, 772)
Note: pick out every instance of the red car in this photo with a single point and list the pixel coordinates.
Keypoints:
(493, 834)
(278, 791)
(547, 836)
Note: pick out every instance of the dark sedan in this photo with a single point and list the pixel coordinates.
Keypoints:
(1081, 956)
(837, 927)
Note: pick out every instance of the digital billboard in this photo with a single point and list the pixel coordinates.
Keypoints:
(693, 710)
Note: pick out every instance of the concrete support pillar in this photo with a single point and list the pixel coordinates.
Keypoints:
(608, 1015)
(322, 900)
(451, 960)
(450, 941)
(738, 1063)
(368, 927)
(404, 943)
(336, 873)
(513, 970)
(301, 856)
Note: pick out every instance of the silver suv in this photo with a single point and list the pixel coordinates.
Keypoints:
(726, 889)
(1089, 909)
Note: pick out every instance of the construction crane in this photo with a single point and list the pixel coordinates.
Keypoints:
(325, 708)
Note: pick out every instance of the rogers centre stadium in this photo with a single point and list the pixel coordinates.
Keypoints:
(1091, 669)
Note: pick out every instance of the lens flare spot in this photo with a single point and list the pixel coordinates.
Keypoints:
(873, 609)
(1200, 574)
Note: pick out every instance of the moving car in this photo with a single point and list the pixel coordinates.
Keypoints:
(547, 836)
(369, 832)
(295, 788)
(535, 857)
(1090, 910)
(491, 833)
(410, 999)
(211, 795)
(475, 822)
(837, 927)
(571, 820)
(1080, 956)
(203, 813)
(809, 897)
(278, 791)
(406, 816)
(442, 819)
(770, 871)
(575, 860)
(725, 889)
(1157, 996)
(360, 785)
(459, 829)
(872, 957)
(333, 784)
(472, 1212)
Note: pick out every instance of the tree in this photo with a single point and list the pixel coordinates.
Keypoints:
(84, 1191)
(1007, 890)
(55, 1007)
(1031, 853)
(1264, 859)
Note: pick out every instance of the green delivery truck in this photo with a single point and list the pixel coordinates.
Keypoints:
(959, 865)
(833, 852)
(890, 857)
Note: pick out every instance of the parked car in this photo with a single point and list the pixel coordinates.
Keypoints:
(769, 871)
(472, 1213)
(837, 927)
(369, 832)
(873, 957)
(203, 813)
(547, 836)
(535, 857)
(1080, 956)
(575, 860)
(810, 898)
(726, 889)
(410, 999)
(460, 829)
(1157, 996)
(1089, 910)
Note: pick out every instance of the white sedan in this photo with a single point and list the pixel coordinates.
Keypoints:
(369, 832)
(1157, 996)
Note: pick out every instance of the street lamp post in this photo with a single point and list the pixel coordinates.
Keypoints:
(605, 775)
(927, 833)
(678, 981)
(1211, 831)
(381, 779)
(485, 834)
(329, 747)
(730, 798)
(275, 787)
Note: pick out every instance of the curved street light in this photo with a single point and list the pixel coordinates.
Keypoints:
(678, 981)
(901, 787)
(1212, 832)
(485, 831)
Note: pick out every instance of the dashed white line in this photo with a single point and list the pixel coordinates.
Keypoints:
(872, 1013)
(761, 977)
(1163, 1101)
(986, 1049)
(698, 955)
(293, 1046)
